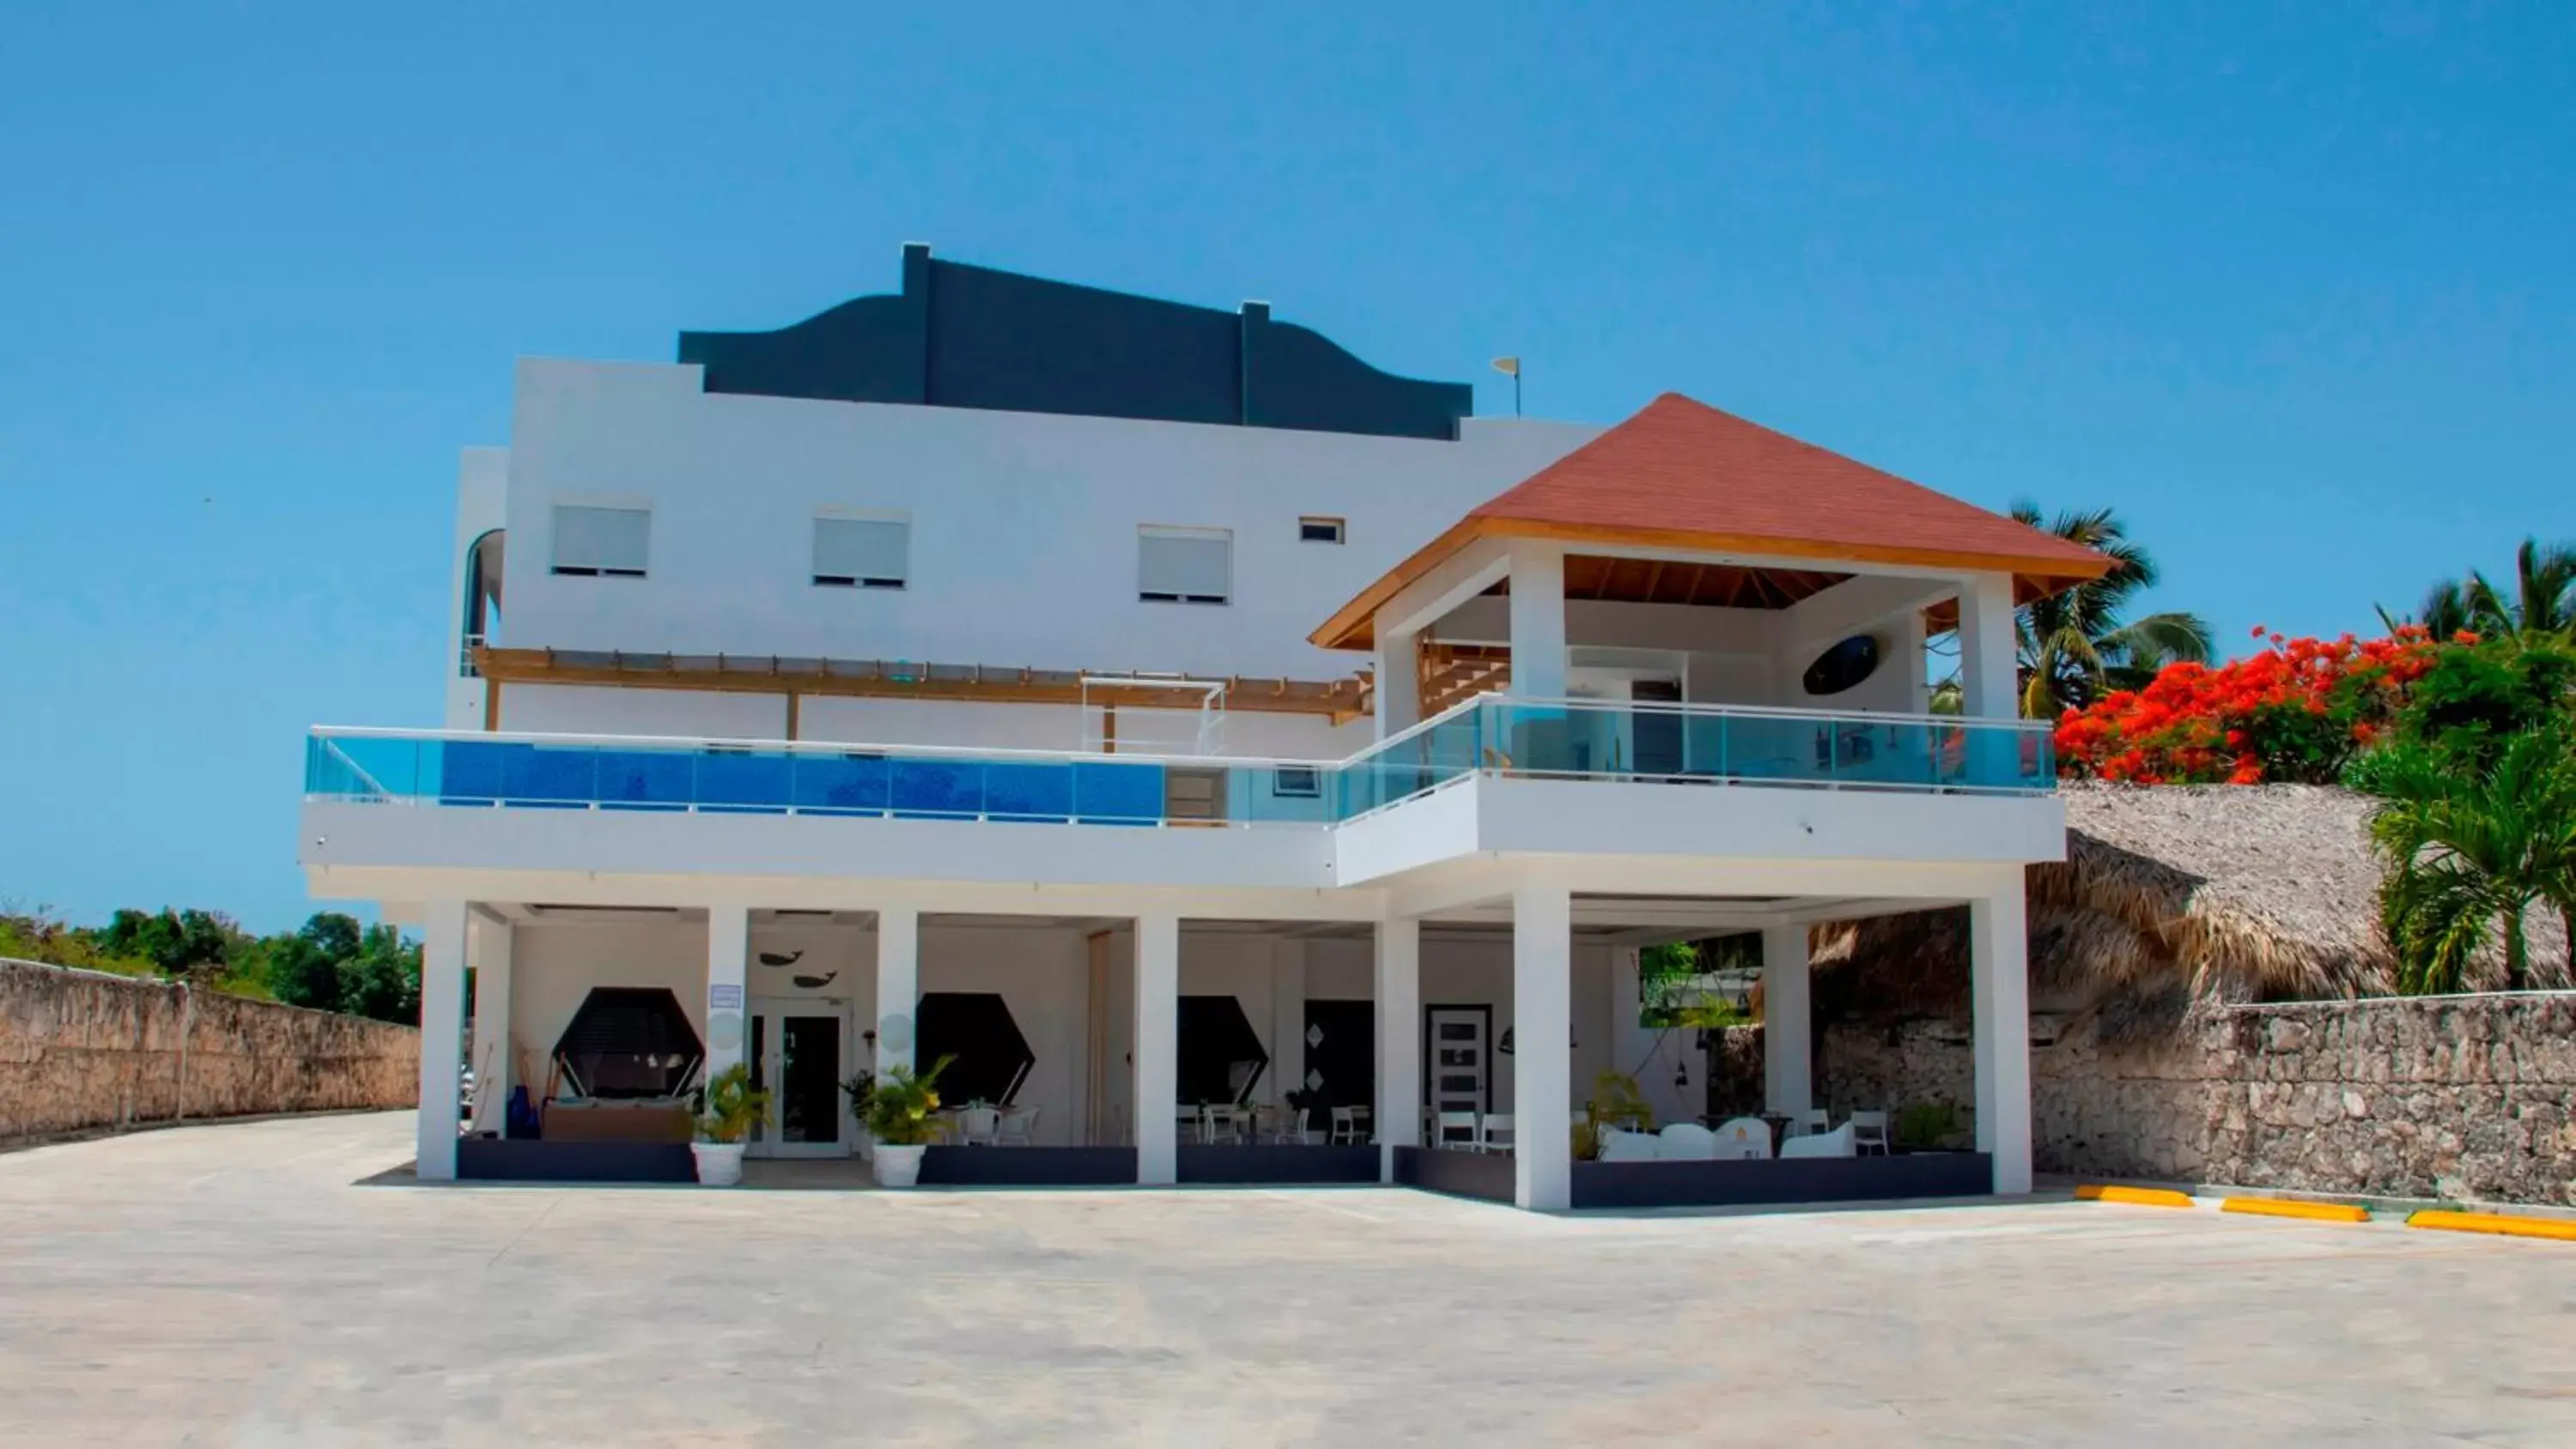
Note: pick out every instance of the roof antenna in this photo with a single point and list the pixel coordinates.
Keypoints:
(1511, 367)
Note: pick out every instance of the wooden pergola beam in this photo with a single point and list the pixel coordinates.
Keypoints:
(1339, 700)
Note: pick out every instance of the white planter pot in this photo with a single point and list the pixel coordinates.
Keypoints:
(719, 1163)
(898, 1166)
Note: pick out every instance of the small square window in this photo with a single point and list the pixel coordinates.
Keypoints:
(1314, 529)
(862, 553)
(1296, 782)
(1184, 565)
(601, 542)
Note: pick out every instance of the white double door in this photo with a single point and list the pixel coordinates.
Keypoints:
(799, 1050)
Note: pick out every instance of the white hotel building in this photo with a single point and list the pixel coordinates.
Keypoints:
(1159, 709)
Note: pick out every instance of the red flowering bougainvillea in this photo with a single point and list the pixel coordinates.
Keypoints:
(2295, 711)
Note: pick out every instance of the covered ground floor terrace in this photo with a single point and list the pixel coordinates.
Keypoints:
(1514, 1047)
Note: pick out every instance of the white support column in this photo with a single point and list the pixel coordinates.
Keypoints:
(1788, 1071)
(1999, 974)
(1538, 622)
(1287, 1018)
(1398, 992)
(487, 946)
(1158, 1047)
(1987, 686)
(898, 985)
(442, 1032)
(728, 943)
(1398, 676)
(1542, 1066)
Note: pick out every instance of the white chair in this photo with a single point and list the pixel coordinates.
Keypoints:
(1837, 1143)
(1456, 1130)
(1189, 1124)
(1494, 1132)
(1619, 1145)
(1350, 1126)
(979, 1125)
(1747, 1138)
(1290, 1127)
(1019, 1127)
(1869, 1132)
(1810, 1121)
(1221, 1123)
(1686, 1142)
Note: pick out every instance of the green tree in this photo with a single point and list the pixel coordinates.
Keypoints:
(2078, 645)
(2542, 601)
(178, 943)
(2471, 849)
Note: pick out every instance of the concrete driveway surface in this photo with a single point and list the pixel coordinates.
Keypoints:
(247, 1284)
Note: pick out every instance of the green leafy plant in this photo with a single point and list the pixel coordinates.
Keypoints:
(899, 1107)
(730, 1106)
(862, 1088)
(2471, 849)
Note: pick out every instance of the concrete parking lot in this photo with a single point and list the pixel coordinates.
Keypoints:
(250, 1284)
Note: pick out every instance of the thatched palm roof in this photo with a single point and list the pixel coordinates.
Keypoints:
(2168, 894)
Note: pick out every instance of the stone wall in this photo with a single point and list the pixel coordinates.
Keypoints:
(2470, 1098)
(81, 1050)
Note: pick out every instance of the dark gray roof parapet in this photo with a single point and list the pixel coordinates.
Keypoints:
(972, 337)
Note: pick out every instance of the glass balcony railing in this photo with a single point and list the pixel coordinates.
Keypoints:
(1570, 739)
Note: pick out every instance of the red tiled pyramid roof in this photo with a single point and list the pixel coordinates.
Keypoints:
(1682, 474)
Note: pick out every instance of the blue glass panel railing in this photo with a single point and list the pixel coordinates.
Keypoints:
(1572, 739)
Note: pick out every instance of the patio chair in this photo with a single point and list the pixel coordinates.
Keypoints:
(1455, 1130)
(1494, 1132)
(1810, 1121)
(1686, 1142)
(1350, 1126)
(1018, 1128)
(1623, 1146)
(1837, 1143)
(1221, 1123)
(1748, 1138)
(1289, 1126)
(979, 1125)
(1869, 1132)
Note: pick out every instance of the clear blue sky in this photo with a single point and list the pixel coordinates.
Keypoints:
(2290, 289)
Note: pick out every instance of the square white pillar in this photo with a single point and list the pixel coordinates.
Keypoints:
(1398, 1111)
(1538, 622)
(1287, 1018)
(1988, 687)
(495, 1064)
(1543, 1062)
(898, 985)
(1397, 672)
(728, 943)
(442, 1033)
(1999, 976)
(1158, 1047)
(1788, 1039)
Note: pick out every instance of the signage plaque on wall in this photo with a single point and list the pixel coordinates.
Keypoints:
(724, 996)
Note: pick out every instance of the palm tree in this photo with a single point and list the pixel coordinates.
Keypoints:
(2075, 646)
(2543, 599)
(2471, 850)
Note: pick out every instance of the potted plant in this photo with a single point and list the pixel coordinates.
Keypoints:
(862, 1089)
(727, 1110)
(899, 1111)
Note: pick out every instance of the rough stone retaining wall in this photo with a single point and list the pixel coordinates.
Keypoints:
(2469, 1098)
(82, 1050)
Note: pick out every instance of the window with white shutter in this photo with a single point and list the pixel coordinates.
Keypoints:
(1184, 565)
(602, 542)
(862, 553)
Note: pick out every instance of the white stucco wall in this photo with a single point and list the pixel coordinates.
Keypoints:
(1023, 526)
